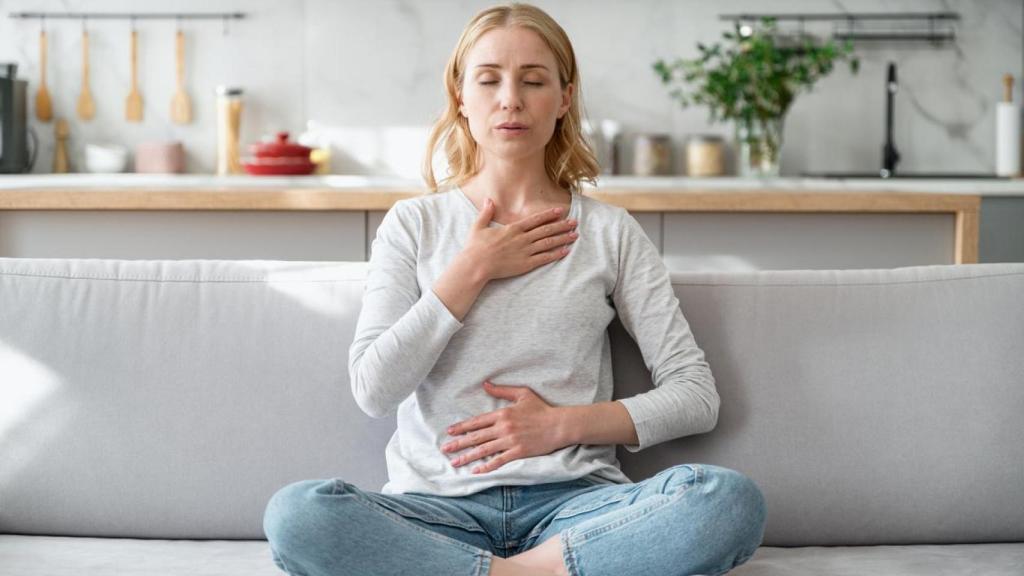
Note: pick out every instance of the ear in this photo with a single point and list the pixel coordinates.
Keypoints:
(566, 99)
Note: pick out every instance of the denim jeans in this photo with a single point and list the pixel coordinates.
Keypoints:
(688, 519)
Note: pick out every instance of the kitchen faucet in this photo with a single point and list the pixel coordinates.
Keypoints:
(889, 154)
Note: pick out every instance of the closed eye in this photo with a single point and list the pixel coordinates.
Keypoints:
(530, 83)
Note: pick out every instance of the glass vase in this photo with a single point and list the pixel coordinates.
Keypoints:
(759, 146)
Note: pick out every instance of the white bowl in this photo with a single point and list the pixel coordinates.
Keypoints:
(105, 158)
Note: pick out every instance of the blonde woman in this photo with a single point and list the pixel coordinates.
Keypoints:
(484, 325)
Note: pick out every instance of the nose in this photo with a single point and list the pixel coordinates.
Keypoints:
(510, 97)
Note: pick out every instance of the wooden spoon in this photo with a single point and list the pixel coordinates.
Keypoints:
(181, 106)
(133, 107)
(86, 107)
(44, 109)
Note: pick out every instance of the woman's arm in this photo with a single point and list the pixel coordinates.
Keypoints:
(401, 332)
(600, 423)
(684, 400)
(460, 285)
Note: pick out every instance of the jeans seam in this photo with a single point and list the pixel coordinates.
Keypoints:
(568, 556)
(580, 538)
(401, 520)
(483, 564)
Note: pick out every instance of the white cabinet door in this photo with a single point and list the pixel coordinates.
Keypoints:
(184, 234)
(809, 241)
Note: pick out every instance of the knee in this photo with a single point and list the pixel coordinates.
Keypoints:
(740, 498)
(291, 509)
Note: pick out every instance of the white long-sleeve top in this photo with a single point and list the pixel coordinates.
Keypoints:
(546, 329)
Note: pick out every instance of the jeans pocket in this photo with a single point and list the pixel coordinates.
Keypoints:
(426, 511)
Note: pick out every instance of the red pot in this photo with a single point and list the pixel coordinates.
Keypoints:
(279, 158)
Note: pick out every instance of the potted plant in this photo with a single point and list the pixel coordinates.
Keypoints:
(752, 80)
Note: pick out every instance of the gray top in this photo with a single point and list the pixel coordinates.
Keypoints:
(546, 329)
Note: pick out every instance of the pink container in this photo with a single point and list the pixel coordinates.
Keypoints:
(160, 158)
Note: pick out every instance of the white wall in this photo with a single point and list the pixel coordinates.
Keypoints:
(363, 63)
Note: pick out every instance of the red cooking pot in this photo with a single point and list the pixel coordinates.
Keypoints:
(279, 158)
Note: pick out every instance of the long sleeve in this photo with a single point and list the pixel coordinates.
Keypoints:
(400, 332)
(684, 400)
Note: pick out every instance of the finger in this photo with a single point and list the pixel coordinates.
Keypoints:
(484, 450)
(485, 216)
(532, 221)
(542, 258)
(469, 440)
(504, 392)
(553, 242)
(495, 463)
(551, 229)
(474, 423)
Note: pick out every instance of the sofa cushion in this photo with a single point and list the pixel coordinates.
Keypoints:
(67, 556)
(171, 399)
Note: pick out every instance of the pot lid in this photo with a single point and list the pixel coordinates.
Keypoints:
(282, 147)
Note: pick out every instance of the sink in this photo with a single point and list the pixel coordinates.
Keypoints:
(900, 175)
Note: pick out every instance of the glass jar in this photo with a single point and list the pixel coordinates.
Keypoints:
(229, 118)
(704, 155)
(652, 155)
(759, 142)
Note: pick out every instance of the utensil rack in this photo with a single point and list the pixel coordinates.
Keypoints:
(132, 16)
(934, 27)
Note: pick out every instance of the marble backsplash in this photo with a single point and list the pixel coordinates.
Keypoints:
(367, 75)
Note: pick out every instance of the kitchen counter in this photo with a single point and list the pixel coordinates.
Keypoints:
(334, 192)
(666, 200)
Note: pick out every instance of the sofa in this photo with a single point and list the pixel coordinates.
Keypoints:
(150, 408)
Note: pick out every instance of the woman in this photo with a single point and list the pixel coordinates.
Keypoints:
(484, 325)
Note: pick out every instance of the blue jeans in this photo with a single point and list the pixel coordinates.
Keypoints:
(688, 519)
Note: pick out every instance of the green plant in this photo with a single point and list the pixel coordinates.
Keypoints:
(755, 77)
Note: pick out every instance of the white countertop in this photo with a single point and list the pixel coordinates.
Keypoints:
(980, 186)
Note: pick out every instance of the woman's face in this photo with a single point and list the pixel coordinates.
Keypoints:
(511, 78)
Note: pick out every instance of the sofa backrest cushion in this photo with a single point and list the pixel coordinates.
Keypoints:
(171, 399)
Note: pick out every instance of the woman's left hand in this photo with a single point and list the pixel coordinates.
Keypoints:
(529, 427)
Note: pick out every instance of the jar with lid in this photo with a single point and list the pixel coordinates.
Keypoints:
(704, 155)
(229, 118)
(652, 155)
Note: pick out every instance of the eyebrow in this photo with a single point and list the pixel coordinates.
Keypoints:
(523, 67)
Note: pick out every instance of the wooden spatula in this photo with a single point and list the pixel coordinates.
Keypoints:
(181, 106)
(86, 107)
(44, 110)
(133, 107)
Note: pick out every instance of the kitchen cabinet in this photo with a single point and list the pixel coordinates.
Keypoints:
(711, 224)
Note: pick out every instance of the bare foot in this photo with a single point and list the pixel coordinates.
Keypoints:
(506, 567)
(547, 556)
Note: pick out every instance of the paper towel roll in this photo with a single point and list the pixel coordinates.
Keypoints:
(1007, 139)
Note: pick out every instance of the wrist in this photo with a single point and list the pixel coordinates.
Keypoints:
(567, 426)
(473, 268)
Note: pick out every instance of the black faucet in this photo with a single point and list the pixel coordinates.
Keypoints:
(889, 154)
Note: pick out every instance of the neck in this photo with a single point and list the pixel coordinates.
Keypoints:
(515, 185)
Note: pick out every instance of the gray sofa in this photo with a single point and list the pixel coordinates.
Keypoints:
(149, 409)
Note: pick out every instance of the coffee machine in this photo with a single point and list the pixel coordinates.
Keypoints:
(14, 130)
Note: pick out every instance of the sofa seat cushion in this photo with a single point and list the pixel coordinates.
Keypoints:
(76, 556)
(913, 560)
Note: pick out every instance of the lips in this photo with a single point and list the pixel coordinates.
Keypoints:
(512, 126)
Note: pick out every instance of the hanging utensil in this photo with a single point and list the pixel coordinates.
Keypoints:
(44, 109)
(181, 106)
(86, 107)
(133, 107)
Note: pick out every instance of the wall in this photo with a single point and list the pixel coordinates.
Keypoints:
(358, 66)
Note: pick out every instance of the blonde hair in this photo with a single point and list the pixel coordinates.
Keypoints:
(568, 158)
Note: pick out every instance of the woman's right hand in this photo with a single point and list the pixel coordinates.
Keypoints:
(521, 246)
